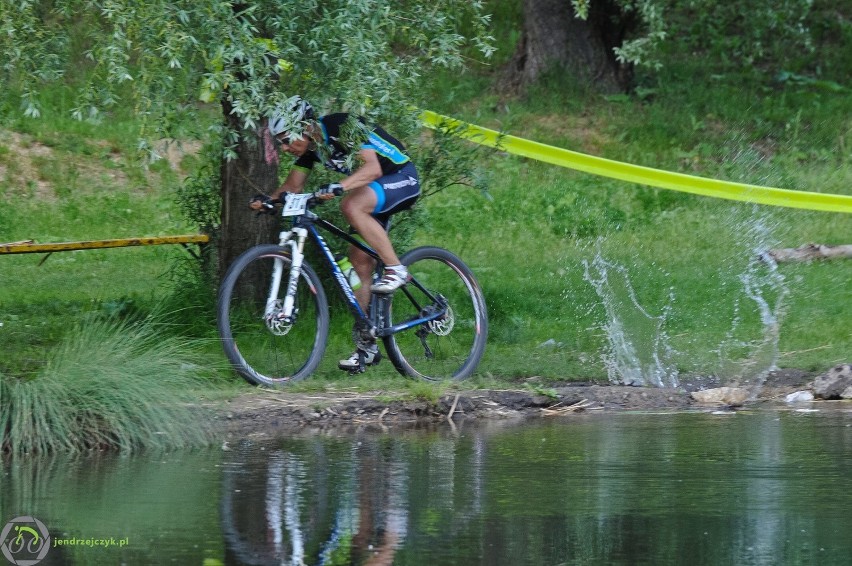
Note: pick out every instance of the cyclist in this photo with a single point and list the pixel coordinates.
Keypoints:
(384, 182)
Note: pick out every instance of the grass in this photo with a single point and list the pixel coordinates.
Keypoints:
(530, 240)
(108, 385)
(692, 248)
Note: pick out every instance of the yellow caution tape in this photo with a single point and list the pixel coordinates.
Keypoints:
(639, 174)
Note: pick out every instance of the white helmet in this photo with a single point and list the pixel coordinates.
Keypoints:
(300, 112)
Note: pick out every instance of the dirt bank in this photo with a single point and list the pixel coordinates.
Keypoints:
(268, 413)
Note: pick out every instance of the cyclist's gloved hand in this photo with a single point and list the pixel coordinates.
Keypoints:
(261, 202)
(330, 190)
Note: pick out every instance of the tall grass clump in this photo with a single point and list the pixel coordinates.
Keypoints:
(110, 385)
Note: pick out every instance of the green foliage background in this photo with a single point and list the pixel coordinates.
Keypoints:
(528, 230)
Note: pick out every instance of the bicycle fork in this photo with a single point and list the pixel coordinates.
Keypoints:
(284, 311)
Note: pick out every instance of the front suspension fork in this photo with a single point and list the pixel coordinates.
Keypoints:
(297, 257)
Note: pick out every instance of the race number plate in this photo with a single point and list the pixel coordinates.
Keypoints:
(296, 204)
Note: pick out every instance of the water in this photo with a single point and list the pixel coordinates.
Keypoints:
(639, 352)
(627, 488)
(765, 287)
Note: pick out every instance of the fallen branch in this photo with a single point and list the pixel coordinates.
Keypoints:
(811, 252)
(578, 406)
(453, 408)
(803, 351)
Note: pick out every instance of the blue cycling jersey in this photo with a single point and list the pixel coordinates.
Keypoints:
(345, 135)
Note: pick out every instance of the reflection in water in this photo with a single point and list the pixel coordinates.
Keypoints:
(326, 501)
(628, 489)
(160, 502)
(750, 488)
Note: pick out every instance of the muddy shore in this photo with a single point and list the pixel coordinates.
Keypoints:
(266, 413)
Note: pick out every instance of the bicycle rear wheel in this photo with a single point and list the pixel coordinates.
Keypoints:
(451, 345)
(262, 347)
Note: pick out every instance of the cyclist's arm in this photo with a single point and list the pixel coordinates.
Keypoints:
(369, 171)
(294, 183)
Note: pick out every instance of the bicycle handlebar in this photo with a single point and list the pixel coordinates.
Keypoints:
(268, 204)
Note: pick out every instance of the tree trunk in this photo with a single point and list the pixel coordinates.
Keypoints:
(555, 39)
(242, 178)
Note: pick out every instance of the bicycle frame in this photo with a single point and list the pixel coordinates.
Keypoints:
(295, 238)
(429, 334)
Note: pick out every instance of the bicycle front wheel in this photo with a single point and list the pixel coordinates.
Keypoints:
(262, 345)
(451, 345)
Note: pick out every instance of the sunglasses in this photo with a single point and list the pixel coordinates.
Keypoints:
(286, 139)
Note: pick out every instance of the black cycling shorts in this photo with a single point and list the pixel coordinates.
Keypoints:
(395, 192)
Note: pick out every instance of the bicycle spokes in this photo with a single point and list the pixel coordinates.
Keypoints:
(264, 344)
(445, 305)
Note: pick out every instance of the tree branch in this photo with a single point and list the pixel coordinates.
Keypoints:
(811, 252)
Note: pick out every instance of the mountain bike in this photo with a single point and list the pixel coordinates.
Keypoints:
(273, 314)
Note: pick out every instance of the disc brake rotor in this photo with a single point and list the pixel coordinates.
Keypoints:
(276, 322)
(443, 325)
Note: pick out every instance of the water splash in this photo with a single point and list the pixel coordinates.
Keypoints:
(766, 287)
(639, 352)
(761, 280)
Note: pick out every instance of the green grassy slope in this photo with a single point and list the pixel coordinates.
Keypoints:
(533, 239)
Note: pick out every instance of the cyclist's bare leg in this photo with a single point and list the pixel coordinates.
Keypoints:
(364, 266)
(358, 207)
